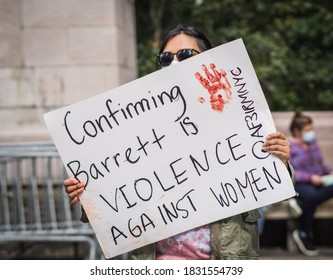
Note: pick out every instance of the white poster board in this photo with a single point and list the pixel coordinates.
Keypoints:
(176, 149)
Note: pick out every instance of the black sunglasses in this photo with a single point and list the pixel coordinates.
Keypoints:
(165, 58)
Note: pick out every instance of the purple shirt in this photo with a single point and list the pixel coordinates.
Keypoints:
(307, 161)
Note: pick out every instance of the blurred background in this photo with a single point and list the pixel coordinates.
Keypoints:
(55, 53)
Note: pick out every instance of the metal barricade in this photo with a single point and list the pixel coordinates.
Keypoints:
(33, 204)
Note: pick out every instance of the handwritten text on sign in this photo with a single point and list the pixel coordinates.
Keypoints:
(171, 151)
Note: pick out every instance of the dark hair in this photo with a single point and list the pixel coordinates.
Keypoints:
(202, 41)
(299, 121)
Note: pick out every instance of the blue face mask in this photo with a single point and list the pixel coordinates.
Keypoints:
(309, 136)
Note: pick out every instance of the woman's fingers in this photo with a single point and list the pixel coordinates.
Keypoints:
(73, 188)
(75, 200)
(278, 144)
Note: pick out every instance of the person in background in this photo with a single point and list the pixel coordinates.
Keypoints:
(313, 179)
(235, 237)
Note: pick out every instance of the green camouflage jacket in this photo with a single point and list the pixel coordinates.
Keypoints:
(235, 237)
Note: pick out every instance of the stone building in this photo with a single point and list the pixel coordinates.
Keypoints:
(55, 53)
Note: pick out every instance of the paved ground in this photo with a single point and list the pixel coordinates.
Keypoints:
(277, 253)
(79, 251)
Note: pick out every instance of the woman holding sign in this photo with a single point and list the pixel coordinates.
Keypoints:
(235, 237)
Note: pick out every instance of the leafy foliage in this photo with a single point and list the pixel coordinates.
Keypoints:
(289, 42)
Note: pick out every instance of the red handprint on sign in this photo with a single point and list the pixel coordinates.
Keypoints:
(214, 83)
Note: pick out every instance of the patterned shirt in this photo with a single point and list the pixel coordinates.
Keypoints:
(307, 161)
(190, 245)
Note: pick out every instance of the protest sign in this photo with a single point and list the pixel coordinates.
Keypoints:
(176, 149)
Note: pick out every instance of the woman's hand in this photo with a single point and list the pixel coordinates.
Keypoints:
(278, 144)
(316, 180)
(73, 188)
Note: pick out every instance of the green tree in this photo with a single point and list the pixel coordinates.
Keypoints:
(289, 42)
